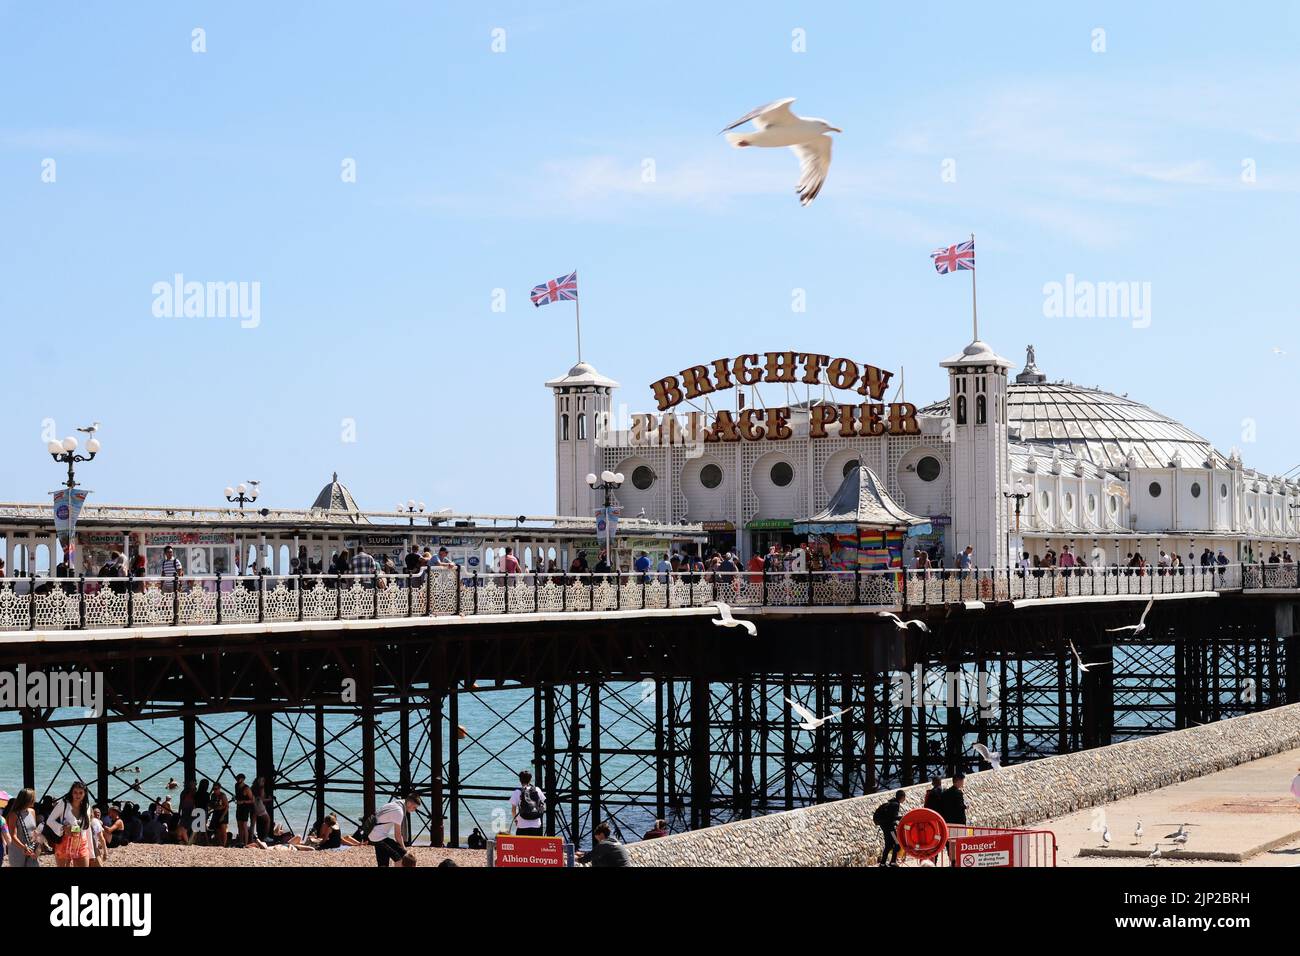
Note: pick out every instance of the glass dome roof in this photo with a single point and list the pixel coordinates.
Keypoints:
(1096, 426)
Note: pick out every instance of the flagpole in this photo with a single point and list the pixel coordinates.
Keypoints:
(974, 313)
(577, 311)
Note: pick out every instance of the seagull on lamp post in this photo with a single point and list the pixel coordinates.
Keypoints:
(89, 429)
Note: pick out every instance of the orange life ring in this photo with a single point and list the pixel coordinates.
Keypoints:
(922, 833)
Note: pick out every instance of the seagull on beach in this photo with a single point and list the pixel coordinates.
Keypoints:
(1137, 628)
(1082, 666)
(904, 625)
(1180, 835)
(726, 620)
(89, 429)
(1137, 833)
(775, 125)
(1154, 855)
(990, 757)
(810, 720)
(1105, 835)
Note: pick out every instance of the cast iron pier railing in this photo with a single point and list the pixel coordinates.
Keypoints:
(46, 603)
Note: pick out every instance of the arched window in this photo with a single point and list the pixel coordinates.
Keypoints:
(582, 426)
(981, 409)
(564, 428)
(961, 409)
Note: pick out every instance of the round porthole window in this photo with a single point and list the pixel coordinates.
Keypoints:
(1092, 504)
(1114, 505)
(1044, 500)
(849, 466)
(781, 474)
(928, 468)
(1069, 501)
(1153, 489)
(1196, 489)
(1223, 491)
(642, 477)
(1250, 512)
(710, 476)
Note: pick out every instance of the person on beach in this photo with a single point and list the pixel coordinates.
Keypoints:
(605, 851)
(219, 822)
(243, 808)
(69, 821)
(386, 834)
(98, 844)
(261, 814)
(527, 804)
(20, 816)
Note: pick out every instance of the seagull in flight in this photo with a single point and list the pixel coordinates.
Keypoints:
(1082, 666)
(90, 429)
(1137, 628)
(726, 620)
(810, 720)
(991, 757)
(904, 625)
(775, 125)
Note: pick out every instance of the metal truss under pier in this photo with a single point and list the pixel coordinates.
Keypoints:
(632, 719)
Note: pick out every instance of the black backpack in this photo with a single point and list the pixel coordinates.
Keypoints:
(530, 803)
(880, 817)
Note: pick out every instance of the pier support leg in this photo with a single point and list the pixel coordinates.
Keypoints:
(701, 786)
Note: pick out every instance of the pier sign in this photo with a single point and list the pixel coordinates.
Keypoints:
(512, 849)
(990, 850)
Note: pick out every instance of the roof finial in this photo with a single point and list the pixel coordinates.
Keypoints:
(1031, 374)
(336, 477)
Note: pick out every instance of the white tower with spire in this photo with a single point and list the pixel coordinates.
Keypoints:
(582, 408)
(977, 396)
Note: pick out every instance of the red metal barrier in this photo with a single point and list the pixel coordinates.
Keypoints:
(985, 847)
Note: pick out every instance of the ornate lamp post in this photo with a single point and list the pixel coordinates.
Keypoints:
(608, 482)
(242, 494)
(1018, 493)
(412, 507)
(66, 452)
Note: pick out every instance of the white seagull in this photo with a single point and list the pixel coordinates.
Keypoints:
(810, 720)
(991, 757)
(90, 429)
(1137, 832)
(1137, 628)
(1105, 835)
(1082, 666)
(726, 620)
(1154, 855)
(775, 125)
(904, 625)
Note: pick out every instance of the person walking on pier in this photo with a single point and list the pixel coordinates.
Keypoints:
(886, 817)
(527, 805)
(934, 796)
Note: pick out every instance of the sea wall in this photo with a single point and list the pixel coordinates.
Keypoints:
(842, 834)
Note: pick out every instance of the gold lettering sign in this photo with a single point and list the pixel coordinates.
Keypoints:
(870, 418)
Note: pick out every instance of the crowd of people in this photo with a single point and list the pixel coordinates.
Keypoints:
(75, 832)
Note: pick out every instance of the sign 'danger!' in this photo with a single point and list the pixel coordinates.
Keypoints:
(869, 418)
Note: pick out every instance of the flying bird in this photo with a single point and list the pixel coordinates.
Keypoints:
(1278, 351)
(810, 720)
(1137, 628)
(726, 620)
(991, 757)
(775, 125)
(89, 429)
(904, 625)
(1082, 666)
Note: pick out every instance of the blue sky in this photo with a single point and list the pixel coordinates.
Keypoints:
(479, 170)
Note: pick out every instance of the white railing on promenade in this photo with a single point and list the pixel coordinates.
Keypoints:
(46, 603)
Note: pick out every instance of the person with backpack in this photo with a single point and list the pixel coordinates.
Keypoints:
(527, 804)
(384, 830)
(67, 828)
(886, 817)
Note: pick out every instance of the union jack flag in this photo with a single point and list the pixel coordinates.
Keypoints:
(563, 289)
(954, 258)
